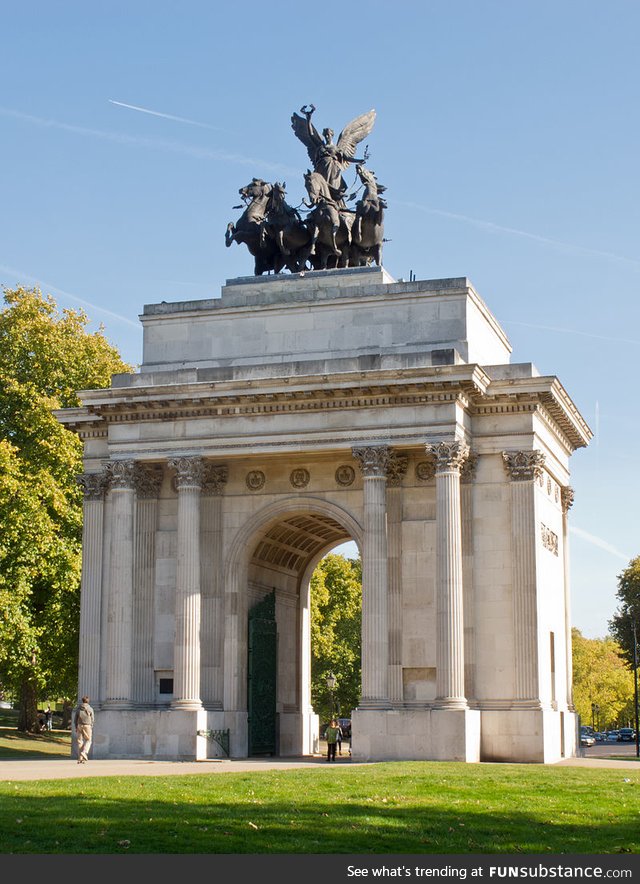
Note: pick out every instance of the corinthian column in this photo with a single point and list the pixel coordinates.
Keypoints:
(396, 470)
(148, 482)
(523, 468)
(212, 629)
(186, 665)
(567, 496)
(94, 486)
(449, 457)
(373, 462)
(120, 602)
(467, 476)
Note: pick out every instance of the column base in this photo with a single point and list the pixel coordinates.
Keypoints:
(187, 705)
(450, 703)
(415, 735)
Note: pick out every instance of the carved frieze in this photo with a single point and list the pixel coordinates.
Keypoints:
(190, 472)
(215, 478)
(523, 465)
(299, 478)
(549, 539)
(345, 475)
(255, 480)
(373, 460)
(448, 455)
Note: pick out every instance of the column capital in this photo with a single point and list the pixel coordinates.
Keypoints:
(122, 474)
(215, 478)
(567, 495)
(373, 460)
(93, 485)
(523, 465)
(396, 468)
(190, 471)
(148, 481)
(468, 469)
(448, 456)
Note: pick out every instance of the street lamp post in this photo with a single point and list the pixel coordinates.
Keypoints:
(331, 684)
(635, 683)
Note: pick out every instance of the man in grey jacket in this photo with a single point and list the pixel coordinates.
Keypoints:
(83, 722)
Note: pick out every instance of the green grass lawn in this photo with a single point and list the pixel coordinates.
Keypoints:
(16, 746)
(389, 808)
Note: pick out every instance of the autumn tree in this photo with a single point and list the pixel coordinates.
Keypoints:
(336, 616)
(601, 677)
(45, 357)
(621, 626)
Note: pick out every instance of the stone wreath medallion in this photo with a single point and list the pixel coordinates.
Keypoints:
(345, 475)
(299, 478)
(255, 480)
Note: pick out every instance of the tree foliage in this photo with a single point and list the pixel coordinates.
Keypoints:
(628, 594)
(45, 357)
(336, 616)
(602, 677)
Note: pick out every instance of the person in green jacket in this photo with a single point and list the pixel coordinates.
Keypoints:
(331, 736)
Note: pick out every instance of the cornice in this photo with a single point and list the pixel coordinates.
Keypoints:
(395, 387)
(542, 395)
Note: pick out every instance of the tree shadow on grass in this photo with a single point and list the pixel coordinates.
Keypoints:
(185, 816)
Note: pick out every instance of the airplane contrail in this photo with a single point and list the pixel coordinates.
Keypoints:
(34, 280)
(153, 143)
(146, 110)
(514, 231)
(599, 542)
(572, 331)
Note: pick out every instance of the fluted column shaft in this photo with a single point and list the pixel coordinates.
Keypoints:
(212, 613)
(148, 483)
(449, 587)
(396, 470)
(467, 476)
(120, 602)
(375, 578)
(93, 485)
(524, 467)
(186, 667)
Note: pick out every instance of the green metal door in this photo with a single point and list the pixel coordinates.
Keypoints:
(262, 677)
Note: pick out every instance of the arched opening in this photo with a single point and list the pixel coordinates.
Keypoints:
(268, 668)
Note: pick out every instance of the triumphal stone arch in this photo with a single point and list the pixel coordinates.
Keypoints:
(264, 427)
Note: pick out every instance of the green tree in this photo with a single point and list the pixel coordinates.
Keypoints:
(45, 357)
(336, 617)
(602, 677)
(628, 594)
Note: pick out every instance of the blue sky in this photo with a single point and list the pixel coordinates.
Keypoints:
(507, 136)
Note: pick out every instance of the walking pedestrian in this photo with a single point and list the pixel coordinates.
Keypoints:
(331, 736)
(83, 722)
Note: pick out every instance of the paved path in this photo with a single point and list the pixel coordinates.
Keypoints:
(67, 768)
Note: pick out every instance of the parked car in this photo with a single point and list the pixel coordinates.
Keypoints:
(626, 735)
(612, 736)
(345, 726)
(600, 737)
(587, 740)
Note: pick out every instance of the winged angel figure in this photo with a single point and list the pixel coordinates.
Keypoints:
(330, 159)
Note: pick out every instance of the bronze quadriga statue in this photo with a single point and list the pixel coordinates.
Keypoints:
(331, 235)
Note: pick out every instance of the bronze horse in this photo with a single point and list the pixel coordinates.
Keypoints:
(250, 229)
(330, 225)
(368, 230)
